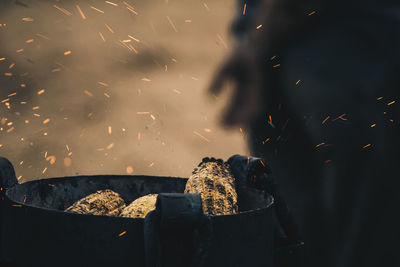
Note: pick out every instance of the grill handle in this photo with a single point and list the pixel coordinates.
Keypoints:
(176, 233)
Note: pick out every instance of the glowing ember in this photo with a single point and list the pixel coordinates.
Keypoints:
(41, 91)
(88, 93)
(130, 8)
(110, 146)
(80, 12)
(129, 169)
(172, 24)
(368, 145)
(391, 103)
(326, 119)
(102, 37)
(67, 162)
(103, 84)
(201, 136)
(109, 28)
(111, 3)
(27, 19)
(321, 144)
(51, 159)
(98, 10)
(121, 234)
(63, 10)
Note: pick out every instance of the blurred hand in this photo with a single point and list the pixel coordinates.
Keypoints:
(242, 73)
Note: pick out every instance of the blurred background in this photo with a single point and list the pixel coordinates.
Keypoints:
(112, 87)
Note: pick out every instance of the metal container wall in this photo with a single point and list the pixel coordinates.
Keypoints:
(34, 230)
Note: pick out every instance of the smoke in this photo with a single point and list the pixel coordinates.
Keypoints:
(112, 87)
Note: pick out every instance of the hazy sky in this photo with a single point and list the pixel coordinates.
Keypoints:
(112, 87)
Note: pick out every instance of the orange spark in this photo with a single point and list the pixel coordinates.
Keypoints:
(96, 9)
(326, 119)
(111, 3)
(266, 141)
(172, 24)
(222, 41)
(109, 28)
(43, 36)
(368, 145)
(391, 103)
(63, 10)
(129, 169)
(80, 12)
(103, 83)
(51, 159)
(88, 93)
(110, 146)
(202, 137)
(67, 162)
(321, 144)
(102, 37)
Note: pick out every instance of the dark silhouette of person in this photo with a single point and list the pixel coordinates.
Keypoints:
(316, 84)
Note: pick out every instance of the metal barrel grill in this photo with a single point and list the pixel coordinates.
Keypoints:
(35, 230)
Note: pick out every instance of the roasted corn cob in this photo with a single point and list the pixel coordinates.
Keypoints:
(103, 202)
(213, 180)
(140, 207)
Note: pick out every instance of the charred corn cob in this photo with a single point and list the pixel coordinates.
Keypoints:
(103, 202)
(140, 207)
(213, 180)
